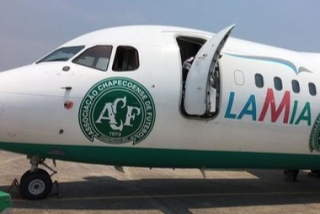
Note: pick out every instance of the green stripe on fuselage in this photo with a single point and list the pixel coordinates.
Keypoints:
(173, 158)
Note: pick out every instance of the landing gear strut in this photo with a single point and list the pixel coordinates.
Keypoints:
(36, 183)
(291, 174)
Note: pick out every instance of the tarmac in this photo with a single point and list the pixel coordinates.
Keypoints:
(89, 188)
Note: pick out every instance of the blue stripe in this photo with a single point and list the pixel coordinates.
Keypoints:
(274, 60)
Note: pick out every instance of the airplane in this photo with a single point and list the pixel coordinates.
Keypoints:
(162, 96)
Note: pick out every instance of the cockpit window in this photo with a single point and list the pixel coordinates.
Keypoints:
(97, 57)
(62, 54)
(126, 59)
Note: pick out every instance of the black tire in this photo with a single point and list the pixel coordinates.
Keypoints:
(35, 185)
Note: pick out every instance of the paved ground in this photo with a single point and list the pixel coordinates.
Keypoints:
(101, 189)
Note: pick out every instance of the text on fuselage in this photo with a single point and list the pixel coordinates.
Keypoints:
(290, 109)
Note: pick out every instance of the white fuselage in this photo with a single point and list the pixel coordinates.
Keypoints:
(250, 121)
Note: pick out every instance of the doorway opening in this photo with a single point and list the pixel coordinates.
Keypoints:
(189, 47)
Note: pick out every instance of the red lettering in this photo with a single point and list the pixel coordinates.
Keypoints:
(275, 113)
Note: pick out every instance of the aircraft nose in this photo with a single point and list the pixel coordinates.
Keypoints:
(22, 80)
(13, 78)
(28, 101)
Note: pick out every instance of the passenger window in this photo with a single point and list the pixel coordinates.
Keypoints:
(312, 89)
(96, 57)
(259, 80)
(295, 86)
(126, 59)
(277, 83)
(238, 77)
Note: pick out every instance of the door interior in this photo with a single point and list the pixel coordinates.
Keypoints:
(201, 94)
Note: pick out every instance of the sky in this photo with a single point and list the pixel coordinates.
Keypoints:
(29, 29)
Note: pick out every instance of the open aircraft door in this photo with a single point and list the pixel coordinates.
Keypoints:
(201, 88)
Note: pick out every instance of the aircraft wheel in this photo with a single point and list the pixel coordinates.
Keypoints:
(35, 185)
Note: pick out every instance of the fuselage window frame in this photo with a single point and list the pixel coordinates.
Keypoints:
(277, 83)
(312, 89)
(295, 86)
(62, 54)
(259, 80)
(126, 59)
(96, 57)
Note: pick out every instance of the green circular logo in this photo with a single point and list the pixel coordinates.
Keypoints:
(117, 110)
(314, 139)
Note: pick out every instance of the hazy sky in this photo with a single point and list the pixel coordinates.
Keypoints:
(30, 29)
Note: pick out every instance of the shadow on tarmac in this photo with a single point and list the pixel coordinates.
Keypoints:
(179, 195)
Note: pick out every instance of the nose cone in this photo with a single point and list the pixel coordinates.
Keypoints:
(12, 80)
(36, 79)
(29, 96)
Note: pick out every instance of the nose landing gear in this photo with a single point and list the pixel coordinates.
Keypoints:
(36, 183)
